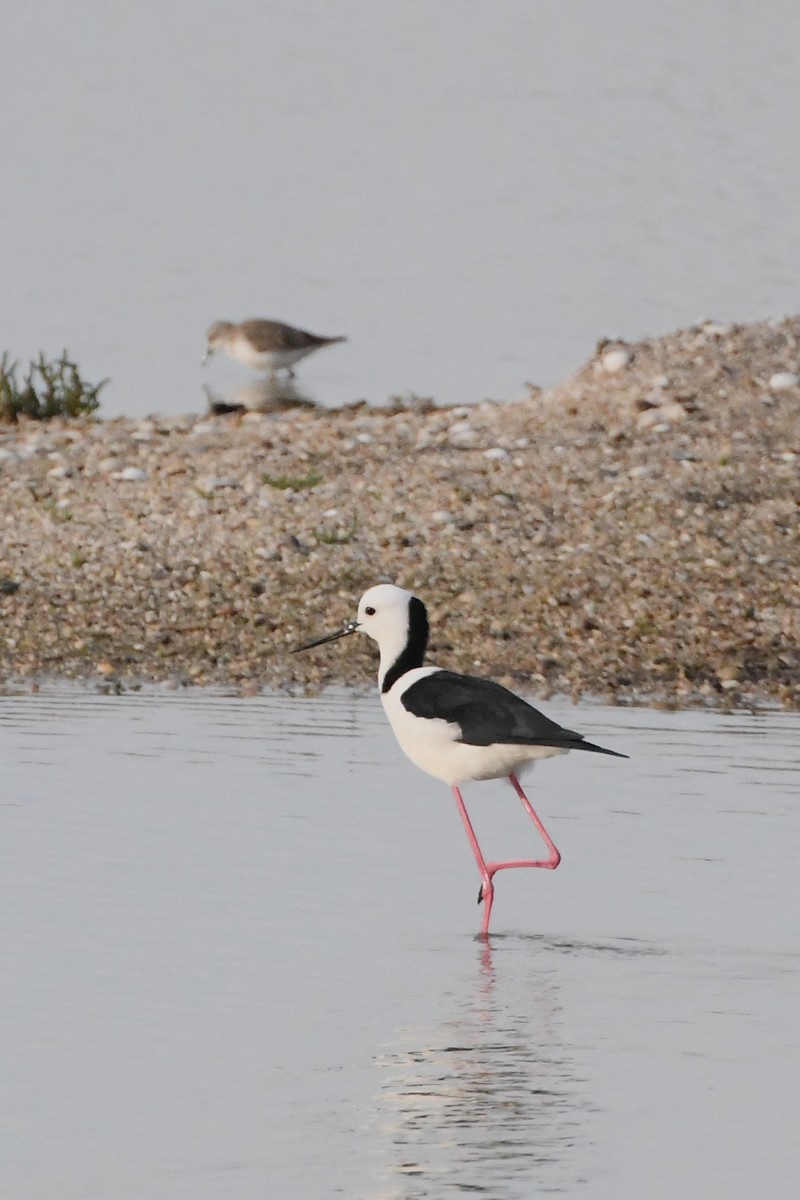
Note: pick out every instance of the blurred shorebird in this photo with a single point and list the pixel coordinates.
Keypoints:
(264, 345)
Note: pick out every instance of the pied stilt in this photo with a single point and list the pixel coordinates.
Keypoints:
(456, 727)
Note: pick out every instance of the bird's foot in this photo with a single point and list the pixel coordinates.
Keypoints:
(486, 897)
(486, 890)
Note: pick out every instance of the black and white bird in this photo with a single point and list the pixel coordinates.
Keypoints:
(458, 728)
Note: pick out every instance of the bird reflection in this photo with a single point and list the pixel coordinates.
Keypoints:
(489, 1097)
(265, 394)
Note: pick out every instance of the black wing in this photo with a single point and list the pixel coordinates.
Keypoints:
(489, 714)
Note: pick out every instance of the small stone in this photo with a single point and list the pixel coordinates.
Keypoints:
(716, 329)
(131, 474)
(674, 413)
(462, 435)
(783, 381)
(144, 432)
(615, 360)
(496, 454)
(659, 419)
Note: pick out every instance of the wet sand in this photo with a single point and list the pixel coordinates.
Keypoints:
(631, 533)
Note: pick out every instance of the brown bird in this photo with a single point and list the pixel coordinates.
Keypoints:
(264, 345)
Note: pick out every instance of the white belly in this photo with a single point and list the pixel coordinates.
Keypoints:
(270, 360)
(432, 745)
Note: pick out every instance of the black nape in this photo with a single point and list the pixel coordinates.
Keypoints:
(413, 653)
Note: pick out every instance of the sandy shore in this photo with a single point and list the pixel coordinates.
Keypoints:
(632, 533)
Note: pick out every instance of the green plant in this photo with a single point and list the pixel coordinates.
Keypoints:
(297, 483)
(334, 538)
(61, 515)
(48, 389)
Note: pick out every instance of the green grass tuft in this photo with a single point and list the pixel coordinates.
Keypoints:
(334, 538)
(49, 389)
(297, 483)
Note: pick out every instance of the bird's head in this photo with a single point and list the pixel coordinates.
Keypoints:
(217, 337)
(385, 613)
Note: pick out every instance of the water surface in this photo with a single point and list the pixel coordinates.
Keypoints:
(239, 958)
(474, 192)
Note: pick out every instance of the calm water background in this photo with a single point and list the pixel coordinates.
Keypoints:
(238, 959)
(473, 191)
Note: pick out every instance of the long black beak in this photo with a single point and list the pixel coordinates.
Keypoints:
(345, 631)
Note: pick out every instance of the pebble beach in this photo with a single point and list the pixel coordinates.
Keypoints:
(630, 534)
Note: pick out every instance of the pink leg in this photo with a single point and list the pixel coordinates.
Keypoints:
(487, 887)
(488, 870)
(554, 858)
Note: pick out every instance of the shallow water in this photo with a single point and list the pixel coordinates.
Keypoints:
(239, 958)
(473, 192)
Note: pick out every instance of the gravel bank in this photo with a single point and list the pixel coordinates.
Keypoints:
(631, 533)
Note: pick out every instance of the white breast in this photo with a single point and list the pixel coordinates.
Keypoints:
(433, 746)
(244, 352)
